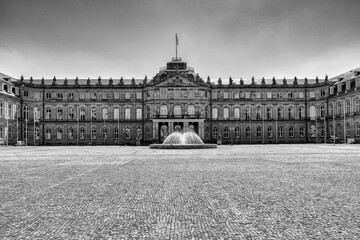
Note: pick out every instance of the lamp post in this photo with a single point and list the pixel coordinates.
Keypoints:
(124, 133)
(232, 133)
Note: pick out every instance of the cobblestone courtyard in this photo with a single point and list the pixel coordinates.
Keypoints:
(233, 192)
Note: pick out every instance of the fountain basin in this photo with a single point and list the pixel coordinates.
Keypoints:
(182, 146)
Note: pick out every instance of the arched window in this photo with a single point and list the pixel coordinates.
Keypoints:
(116, 114)
(71, 113)
(348, 129)
(247, 132)
(322, 131)
(312, 112)
(226, 132)
(215, 132)
(59, 133)
(82, 114)
(82, 133)
(302, 131)
(357, 129)
(322, 111)
(226, 113)
(104, 133)
(237, 132)
(36, 114)
(10, 132)
(237, 113)
(347, 107)
(163, 110)
(48, 133)
(331, 109)
(127, 113)
(258, 132)
(116, 133)
(338, 130)
(48, 113)
(93, 113)
(138, 113)
(339, 109)
(26, 112)
(291, 113)
(104, 114)
(70, 133)
(59, 114)
(247, 113)
(357, 105)
(280, 131)
(291, 131)
(191, 110)
(268, 113)
(280, 113)
(214, 113)
(177, 110)
(148, 112)
(93, 133)
(127, 133)
(258, 112)
(269, 132)
(301, 113)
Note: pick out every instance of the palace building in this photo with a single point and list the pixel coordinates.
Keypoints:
(129, 111)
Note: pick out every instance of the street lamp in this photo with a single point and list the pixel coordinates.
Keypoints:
(231, 134)
(124, 133)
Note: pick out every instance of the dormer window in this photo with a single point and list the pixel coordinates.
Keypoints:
(357, 73)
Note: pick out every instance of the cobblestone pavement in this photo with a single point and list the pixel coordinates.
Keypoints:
(232, 192)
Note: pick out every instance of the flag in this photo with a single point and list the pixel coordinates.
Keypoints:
(177, 41)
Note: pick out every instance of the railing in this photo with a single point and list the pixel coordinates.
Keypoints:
(184, 116)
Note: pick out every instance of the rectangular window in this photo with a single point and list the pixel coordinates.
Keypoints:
(247, 94)
(82, 133)
(104, 95)
(214, 95)
(268, 95)
(59, 95)
(82, 95)
(82, 114)
(301, 94)
(127, 114)
(127, 95)
(258, 94)
(48, 95)
(70, 95)
(236, 95)
(312, 94)
(138, 114)
(116, 133)
(138, 95)
(93, 95)
(226, 95)
(37, 95)
(48, 134)
(116, 95)
(280, 132)
(302, 131)
(322, 93)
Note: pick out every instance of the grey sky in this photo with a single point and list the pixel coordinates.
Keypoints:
(244, 38)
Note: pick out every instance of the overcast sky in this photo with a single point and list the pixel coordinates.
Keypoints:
(244, 38)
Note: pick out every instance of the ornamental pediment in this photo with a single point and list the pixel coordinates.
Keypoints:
(177, 81)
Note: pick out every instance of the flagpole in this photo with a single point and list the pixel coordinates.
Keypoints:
(7, 122)
(118, 125)
(91, 116)
(34, 126)
(77, 130)
(334, 129)
(17, 125)
(176, 44)
(344, 122)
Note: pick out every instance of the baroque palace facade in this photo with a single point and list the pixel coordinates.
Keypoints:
(144, 111)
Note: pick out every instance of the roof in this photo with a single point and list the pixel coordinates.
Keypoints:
(347, 76)
(267, 81)
(83, 81)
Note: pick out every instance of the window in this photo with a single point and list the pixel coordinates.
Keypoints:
(258, 132)
(347, 107)
(357, 105)
(247, 94)
(258, 113)
(302, 131)
(1, 132)
(59, 95)
(191, 110)
(322, 111)
(116, 95)
(9, 132)
(322, 93)
(215, 132)
(226, 132)
(148, 112)
(226, 95)
(331, 130)
(312, 94)
(338, 128)
(247, 132)
(214, 113)
(331, 109)
(237, 132)
(290, 95)
(26, 94)
(116, 113)
(116, 133)
(163, 110)
(268, 95)
(280, 113)
(339, 108)
(82, 95)
(48, 133)
(37, 95)
(37, 133)
(59, 115)
(93, 114)
(82, 114)
(312, 112)
(226, 113)
(357, 129)
(236, 95)
(177, 110)
(93, 133)
(237, 113)
(138, 95)
(26, 112)
(93, 95)
(322, 131)
(104, 133)
(301, 112)
(105, 115)
(104, 95)
(301, 94)
(348, 129)
(247, 113)
(280, 131)
(70, 95)
(291, 131)
(269, 132)
(147, 133)
(127, 114)
(268, 113)
(258, 94)
(71, 113)
(36, 114)
(48, 95)
(82, 133)
(1, 109)
(127, 95)
(138, 113)
(214, 95)
(291, 113)
(59, 133)
(71, 133)
(48, 114)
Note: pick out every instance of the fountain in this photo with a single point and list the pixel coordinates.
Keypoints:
(186, 139)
